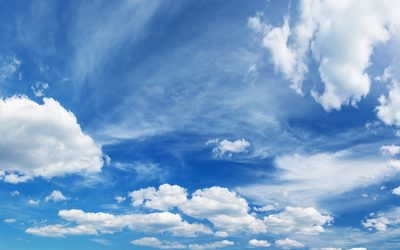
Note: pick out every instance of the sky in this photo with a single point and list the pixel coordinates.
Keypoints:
(145, 124)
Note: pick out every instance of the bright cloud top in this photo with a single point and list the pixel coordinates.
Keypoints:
(339, 39)
(43, 140)
(227, 147)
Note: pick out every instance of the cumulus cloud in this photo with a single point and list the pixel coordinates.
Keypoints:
(43, 140)
(259, 243)
(297, 220)
(382, 221)
(388, 109)
(339, 39)
(166, 197)
(106, 223)
(56, 196)
(212, 245)
(266, 208)
(226, 147)
(33, 202)
(288, 244)
(396, 191)
(120, 199)
(156, 243)
(225, 209)
(390, 150)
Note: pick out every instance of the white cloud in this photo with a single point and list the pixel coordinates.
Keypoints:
(221, 234)
(33, 202)
(166, 197)
(156, 243)
(43, 140)
(388, 110)
(39, 87)
(225, 209)
(382, 221)
(9, 221)
(288, 244)
(358, 248)
(390, 150)
(8, 67)
(226, 147)
(297, 220)
(301, 173)
(56, 196)
(259, 243)
(340, 41)
(120, 199)
(14, 193)
(213, 245)
(396, 191)
(106, 223)
(266, 208)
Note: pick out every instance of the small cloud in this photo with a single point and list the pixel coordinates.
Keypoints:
(9, 221)
(120, 199)
(8, 67)
(228, 148)
(259, 243)
(56, 196)
(14, 193)
(396, 191)
(390, 150)
(266, 208)
(33, 202)
(39, 87)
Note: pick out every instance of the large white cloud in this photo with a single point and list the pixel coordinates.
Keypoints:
(225, 209)
(298, 220)
(166, 197)
(340, 35)
(43, 140)
(106, 223)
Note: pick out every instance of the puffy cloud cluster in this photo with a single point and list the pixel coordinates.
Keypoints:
(382, 221)
(299, 220)
(166, 197)
(43, 140)
(106, 223)
(227, 147)
(390, 150)
(288, 244)
(259, 243)
(339, 39)
(156, 243)
(389, 106)
(56, 196)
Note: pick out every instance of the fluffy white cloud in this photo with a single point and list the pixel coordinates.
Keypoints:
(358, 248)
(96, 223)
(288, 244)
(340, 41)
(166, 197)
(156, 243)
(389, 106)
(382, 221)
(212, 245)
(259, 243)
(396, 191)
(226, 147)
(43, 140)
(297, 220)
(120, 199)
(56, 196)
(33, 202)
(390, 150)
(225, 209)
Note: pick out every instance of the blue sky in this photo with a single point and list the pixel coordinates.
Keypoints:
(200, 124)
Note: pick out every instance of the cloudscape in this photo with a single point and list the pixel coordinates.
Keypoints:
(173, 124)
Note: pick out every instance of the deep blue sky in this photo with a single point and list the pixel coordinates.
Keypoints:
(269, 124)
